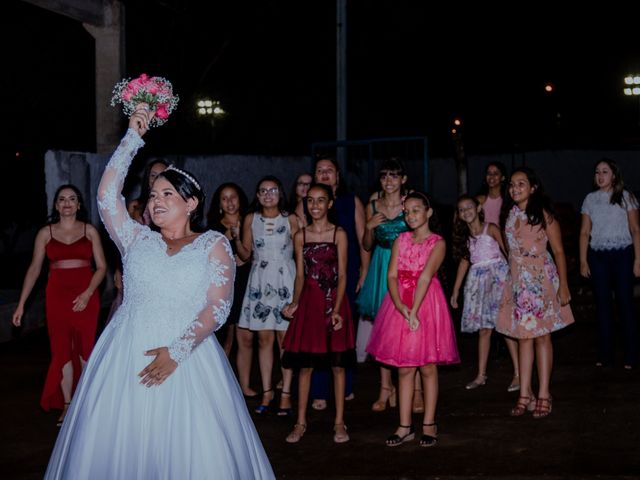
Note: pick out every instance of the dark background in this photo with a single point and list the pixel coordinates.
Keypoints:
(412, 68)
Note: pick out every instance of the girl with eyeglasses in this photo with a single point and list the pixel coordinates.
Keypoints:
(267, 234)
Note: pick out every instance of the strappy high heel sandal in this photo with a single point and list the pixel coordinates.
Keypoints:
(429, 440)
(285, 412)
(395, 439)
(63, 414)
(391, 397)
(523, 405)
(543, 407)
(297, 433)
(263, 409)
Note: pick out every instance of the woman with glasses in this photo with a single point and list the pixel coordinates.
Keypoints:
(298, 194)
(267, 233)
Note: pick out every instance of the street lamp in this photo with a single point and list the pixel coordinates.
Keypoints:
(210, 108)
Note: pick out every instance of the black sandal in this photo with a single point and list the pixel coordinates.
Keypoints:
(428, 440)
(285, 412)
(395, 439)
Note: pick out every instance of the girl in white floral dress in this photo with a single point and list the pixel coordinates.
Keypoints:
(267, 234)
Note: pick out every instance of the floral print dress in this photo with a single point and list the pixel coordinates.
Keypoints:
(530, 306)
(273, 272)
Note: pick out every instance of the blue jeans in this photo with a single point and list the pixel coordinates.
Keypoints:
(613, 270)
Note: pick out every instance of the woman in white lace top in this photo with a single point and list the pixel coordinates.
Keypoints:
(610, 256)
(158, 398)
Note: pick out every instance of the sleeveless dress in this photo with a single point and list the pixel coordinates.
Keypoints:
(484, 286)
(195, 425)
(491, 208)
(392, 342)
(375, 285)
(273, 272)
(530, 306)
(71, 334)
(310, 340)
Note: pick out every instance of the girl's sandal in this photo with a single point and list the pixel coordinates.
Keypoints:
(524, 404)
(395, 439)
(285, 411)
(297, 433)
(340, 435)
(391, 397)
(429, 440)
(543, 408)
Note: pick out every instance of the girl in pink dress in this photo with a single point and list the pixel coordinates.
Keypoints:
(536, 297)
(413, 327)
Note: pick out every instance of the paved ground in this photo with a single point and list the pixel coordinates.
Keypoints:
(593, 431)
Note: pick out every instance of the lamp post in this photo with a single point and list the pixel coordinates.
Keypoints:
(632, 89)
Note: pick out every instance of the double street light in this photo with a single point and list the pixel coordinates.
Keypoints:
(632, 88)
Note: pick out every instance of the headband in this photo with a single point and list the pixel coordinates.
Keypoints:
(185, 175)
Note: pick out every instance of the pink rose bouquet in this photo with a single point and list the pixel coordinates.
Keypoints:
(157, 92)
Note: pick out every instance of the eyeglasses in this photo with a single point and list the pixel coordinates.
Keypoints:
(268, 191)
(391, 175)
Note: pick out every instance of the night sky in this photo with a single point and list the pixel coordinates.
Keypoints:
(412, 68)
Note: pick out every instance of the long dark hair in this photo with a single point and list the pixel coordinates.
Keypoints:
(461, 232)
(215, 214)
(340, 189)
(393, 165)
(183, 182)
(427, 201)
(145, 189)
(255, 205)
(484, 188)
(538, 202)
(81, 214)
(293, 196)
(617, 187)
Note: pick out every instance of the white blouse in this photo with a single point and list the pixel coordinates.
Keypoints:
(609, 222)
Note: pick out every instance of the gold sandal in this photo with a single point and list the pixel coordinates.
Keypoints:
(392, 398)
(297, 433)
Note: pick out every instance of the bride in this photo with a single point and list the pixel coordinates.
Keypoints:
(158, 398)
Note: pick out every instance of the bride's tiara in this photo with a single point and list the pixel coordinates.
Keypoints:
(184, 174)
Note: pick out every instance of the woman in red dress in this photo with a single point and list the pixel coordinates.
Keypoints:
(72, 300)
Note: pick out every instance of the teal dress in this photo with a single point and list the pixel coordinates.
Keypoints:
(375, 285)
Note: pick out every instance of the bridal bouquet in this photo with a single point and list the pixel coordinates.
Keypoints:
(157, 92)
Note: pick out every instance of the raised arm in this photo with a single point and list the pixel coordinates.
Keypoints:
(111, 203)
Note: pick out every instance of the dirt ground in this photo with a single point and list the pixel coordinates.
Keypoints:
(593, 431)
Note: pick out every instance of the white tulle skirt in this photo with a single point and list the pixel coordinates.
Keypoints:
(193, 426)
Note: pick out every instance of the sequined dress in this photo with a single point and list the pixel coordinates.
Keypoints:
(375, 285)
(194, 425)
(310, 340)
(392, 342)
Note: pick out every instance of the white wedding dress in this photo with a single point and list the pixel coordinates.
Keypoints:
(193, 426)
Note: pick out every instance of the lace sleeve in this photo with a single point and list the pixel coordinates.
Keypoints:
(219, 299)
(111, 203)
